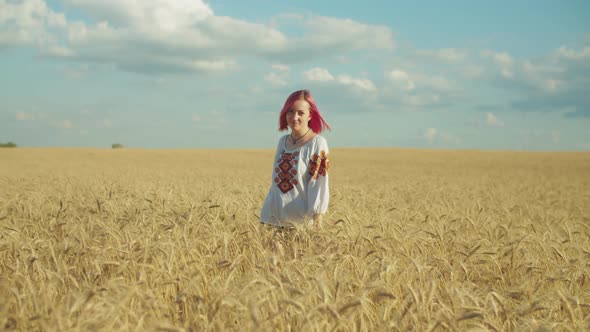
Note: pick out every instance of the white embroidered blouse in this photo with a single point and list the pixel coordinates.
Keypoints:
(299, 183)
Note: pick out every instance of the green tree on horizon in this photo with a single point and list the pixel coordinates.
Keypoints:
(8, 145)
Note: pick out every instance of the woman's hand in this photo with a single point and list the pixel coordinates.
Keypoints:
(317, 220)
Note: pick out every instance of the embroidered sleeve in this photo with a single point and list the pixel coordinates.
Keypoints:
(318, 191)
(319, 164)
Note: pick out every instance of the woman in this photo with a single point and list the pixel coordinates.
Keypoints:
(299, 192)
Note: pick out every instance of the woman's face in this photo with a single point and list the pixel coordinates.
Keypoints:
(299, 115)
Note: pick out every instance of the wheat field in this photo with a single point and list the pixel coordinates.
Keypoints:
(170, 240)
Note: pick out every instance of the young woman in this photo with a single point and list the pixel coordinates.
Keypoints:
(299, 192)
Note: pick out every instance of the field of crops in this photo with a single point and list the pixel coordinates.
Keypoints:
(132, 239)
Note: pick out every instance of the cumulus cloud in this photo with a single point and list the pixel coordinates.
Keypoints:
(29, 116)
(178, 36)
(63, 124)
(318, 74)
(28, 22)
(160, 15)
(104, 123)
(500, 58)
(493, 121)
(323, 75)
(213, 119)
(421, 100)
(401, 77)
(358, 83)
(24, 116)
(506, 73)
(59, 51)
(572, 54)
(279, 76)
(445, 54)
(433, 135)
(415, 81)
(430, 134)
(344, 34)
(557, 81)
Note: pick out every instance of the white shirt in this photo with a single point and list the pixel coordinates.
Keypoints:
(299, 186)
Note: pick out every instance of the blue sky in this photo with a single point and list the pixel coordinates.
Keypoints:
(214, 74)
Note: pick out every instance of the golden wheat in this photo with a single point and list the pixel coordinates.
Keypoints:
(170, 240)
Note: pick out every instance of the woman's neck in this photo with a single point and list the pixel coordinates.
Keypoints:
(298, 133)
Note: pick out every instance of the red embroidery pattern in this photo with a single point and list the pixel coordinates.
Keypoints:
(319, 164)
(286, 172)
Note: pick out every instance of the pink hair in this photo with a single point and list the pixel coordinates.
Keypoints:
(317, 124)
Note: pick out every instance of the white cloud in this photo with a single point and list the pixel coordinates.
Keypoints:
(211, 65)
(534, 69)
(75, 72)
(63, 124)
(179, 36)
(213, 119)
(402, 78)
(279, 77)
(341, 34)
(104, 123)
(275, 79)
(33, 115)
(323, 75)
(280, 67)
(318, 74)
(25, 116)
(473, 71)
(555, 81)
(571, 54)
(438, 83)
(551, 85)
(433, 135)
(27, 22)
(159, 15)
(445, 54)
(420, 100)
(493, 121)
(358, 83)
(411, 82)
(430, 134)
(500, 58)
(59, 51)
(507, 73)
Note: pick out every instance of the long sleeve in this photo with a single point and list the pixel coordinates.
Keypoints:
(318, 190)
(277, 153)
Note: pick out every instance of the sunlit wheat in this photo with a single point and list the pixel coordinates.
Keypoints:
(170, 240)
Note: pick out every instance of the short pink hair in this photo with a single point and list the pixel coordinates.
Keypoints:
(317, 123)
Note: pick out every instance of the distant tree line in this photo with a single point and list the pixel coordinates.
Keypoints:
(13, 145)
(8, 145)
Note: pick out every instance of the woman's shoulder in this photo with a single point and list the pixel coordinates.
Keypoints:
(283, 138)
(321, 142)
(321, 138)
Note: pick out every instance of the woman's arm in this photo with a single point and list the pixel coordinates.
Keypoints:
(318, 219)
(318, 191)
